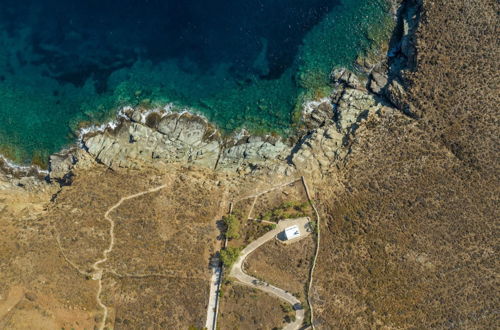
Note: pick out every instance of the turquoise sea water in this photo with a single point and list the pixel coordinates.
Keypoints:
(241, 65)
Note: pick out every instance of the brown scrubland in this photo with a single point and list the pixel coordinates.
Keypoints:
(157, 273)
(247, 308)
(284, 266)
(410, 233)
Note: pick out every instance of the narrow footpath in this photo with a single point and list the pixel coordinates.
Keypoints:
(97, 275)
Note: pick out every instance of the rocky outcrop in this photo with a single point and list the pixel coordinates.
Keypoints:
(60, 166)
(319, 151)
(145, 136)
(402, 58)
(181, 138)
(252, 152)
(175, 137)
(140, 138)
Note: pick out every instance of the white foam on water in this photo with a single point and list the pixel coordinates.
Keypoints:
(23, 168)
(309, 106)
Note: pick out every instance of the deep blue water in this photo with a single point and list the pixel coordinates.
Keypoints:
(241, 63)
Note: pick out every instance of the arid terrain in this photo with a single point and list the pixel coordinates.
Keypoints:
(411, 236)
(122, 233)
(156, 273)
(246, 308)
(285, 266)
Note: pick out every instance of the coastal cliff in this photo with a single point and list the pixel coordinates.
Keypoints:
(402, 165)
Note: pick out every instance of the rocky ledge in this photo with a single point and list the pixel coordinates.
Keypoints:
(141, 137)
(159, 135)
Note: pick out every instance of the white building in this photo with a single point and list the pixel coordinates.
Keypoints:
(292, 232)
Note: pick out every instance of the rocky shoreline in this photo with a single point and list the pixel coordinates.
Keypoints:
(141, 136)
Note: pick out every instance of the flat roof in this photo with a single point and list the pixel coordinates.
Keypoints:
(292, 232)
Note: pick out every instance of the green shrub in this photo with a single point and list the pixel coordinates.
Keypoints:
(232, 226)
(291, 209)
(286, 308)
(229, 256)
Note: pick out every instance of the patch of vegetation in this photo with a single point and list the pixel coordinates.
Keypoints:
(286, 308)
(314, 226)
(229, 256)
(292, 209)
(270, 226)
(253, 230)
(232, 226)
(290, 318)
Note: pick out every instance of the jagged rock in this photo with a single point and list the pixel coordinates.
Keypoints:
(410, 25)
(254, 151)
(168, 124)
(319, 150)
(61, 164)
(377, 82)
(352, 106)
(136, 116)
(190, 139)
(182, 138)
(345, 77)
(191, 129)
(317, 113)
(134, 143)
(396, 94)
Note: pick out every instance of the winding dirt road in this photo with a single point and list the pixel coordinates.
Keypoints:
(238, 273)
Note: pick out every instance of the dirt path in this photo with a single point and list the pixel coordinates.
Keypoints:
(268, 190)
(318, 237)
(238, 273)
(97, 275)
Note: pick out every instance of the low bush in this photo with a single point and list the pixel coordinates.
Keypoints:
(232, 226)
(229, 256)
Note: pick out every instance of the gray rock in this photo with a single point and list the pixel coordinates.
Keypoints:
(167, 124)
(396, 94)
(345, 77)
(136, 116)
(318, 115)
(377, 82)
(179, 138)
(253, 152)
(61, 164)
(352, 106)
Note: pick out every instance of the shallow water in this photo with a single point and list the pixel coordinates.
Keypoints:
(240, 63)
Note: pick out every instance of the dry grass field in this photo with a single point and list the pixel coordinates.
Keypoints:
(38, 288)
(409, 221)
